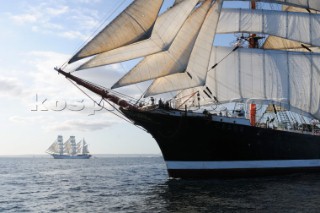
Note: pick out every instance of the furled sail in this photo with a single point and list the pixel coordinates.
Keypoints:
(164, 31)
(130, 26)
(195, 74)
(175, 59)
(281, 76)
(282, 24)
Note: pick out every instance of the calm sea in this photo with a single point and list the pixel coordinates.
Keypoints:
(141, 184)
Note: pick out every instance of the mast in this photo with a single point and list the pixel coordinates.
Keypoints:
(73, 150)
(60, 144)
(253, 43)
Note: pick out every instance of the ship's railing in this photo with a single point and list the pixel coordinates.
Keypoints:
(302, 128)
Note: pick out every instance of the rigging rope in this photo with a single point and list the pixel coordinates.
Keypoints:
(216, 64)
(124, 118)
(207, 90)
(143, 93)
(102, 23)
(187, 99)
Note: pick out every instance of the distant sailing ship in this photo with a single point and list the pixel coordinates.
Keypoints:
(270, 77)
(69, 149)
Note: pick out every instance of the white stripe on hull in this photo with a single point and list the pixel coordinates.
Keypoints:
(260, 164)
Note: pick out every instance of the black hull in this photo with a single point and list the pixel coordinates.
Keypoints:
(196, 146)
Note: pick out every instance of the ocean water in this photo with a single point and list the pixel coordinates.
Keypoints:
(141, 184)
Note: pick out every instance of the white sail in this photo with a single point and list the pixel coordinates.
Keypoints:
(130, 26)
(173, 60)
(281, 76)
(67, 147)
(79, 147)
(70, 146)
(164, 31)
(57, 147)
(195, 74)
(277, 43)
(282, 24)
(85, 149)
(273, 42)
(180, 55)
(73, 146)
(54, 148)
(308, 4)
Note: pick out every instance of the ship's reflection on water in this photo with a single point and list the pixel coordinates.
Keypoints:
(293, 193)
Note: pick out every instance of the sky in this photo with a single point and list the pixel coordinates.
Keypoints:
(37, 36)
(37, 104)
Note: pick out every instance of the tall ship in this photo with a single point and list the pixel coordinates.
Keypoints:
(69, 149)
(245, 109)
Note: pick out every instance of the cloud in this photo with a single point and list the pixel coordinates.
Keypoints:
(10, 87)
(35, 75)
(81, 125)
(52, 92)
(45, 79)
(73, 35)
(50, 121)
(60, 10)
(88, 1)
(71, 21)
(24, 18)
(42, 13)
(29, 120)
